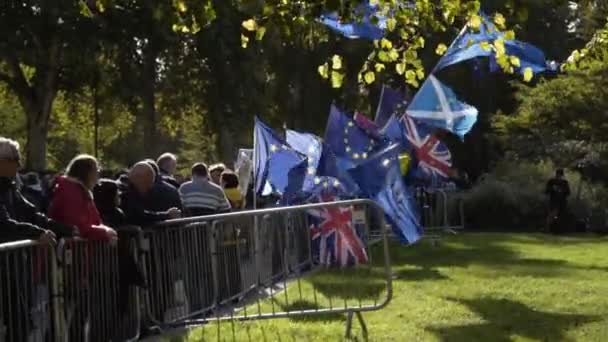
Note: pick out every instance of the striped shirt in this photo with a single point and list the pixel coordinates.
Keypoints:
(200, 193)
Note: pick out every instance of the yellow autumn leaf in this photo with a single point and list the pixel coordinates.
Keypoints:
(510, 35)
(499, 46)
(244, 41)
(181, 6)
(515, 61)
(337, 79)
(250, 25)
(369, 77)
(400, 68)
(500, 21)
(386, 44)
(528, 74)
(336, 62)
(323, 70)
(441, 49)
(485, 46)
(475, 22)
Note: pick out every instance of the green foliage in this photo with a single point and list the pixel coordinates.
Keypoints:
(512, 197)
(558, 113)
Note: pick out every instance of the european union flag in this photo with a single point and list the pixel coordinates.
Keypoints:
(380, 179)
(366, 28)
(391, 102)
(436, 105)
(276, 164)
(467, 46)
(347, 139)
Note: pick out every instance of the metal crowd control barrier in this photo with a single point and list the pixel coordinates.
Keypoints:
(440, 212)
(26, 285)
(254, 265)
(97, 304)
(72, 294)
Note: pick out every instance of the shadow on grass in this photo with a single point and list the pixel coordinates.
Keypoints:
(309, 305)
(350, 284)
(504, 318)
(420, 274)
(477, 249)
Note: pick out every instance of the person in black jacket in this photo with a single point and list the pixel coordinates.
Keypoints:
(163, 196)
(135, 198)
(167, 163)
(19, 219)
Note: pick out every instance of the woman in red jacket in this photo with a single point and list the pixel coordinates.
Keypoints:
(73, 203)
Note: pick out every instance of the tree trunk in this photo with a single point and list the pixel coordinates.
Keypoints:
(35, 152)
(149, 114)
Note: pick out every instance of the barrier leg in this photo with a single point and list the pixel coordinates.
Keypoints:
(349, 324)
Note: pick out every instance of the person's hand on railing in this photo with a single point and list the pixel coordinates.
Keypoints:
(174, 213)
(47, 238)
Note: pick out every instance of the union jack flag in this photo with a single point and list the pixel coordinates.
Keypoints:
(334, 236)
(434, 158)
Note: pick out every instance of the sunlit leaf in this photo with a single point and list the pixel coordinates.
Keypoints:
(244, 41)
(383, 56)
(379, 67)
(369, 77)
(391, 23)
(420, 74)
(510, 35)
(260, 32)
(336, 62)
(421, 42)
(250, 25)
(393, 55)
(485, 46)
(500, 21)
(475, 22)
(410, 74)
(180, 5)
(323, 70)
(515, 61)
(400, 68)
(528, 74)
(499, 46)
(386, 44)
(337, 78)
(441, 49)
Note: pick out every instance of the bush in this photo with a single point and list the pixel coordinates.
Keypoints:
(512, 198)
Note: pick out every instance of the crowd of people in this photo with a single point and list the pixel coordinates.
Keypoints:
(80, 203)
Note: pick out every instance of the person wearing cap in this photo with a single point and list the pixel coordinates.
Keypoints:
(215, 173)
(19, 219)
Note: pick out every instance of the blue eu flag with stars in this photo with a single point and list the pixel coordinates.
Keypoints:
(380, 179)
(276, 163)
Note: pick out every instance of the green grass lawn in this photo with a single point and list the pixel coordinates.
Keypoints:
(472, 287)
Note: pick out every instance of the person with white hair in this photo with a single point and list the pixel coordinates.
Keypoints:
(19, 219)
(133, 200)
(167, 163)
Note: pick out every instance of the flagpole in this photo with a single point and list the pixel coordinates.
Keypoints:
(255, 183)
(379, 102)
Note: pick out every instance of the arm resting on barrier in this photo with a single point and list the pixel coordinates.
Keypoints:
(11, 230)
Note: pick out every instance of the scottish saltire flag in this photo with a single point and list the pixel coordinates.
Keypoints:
(336, 239)
(431, 155)
(391, 102)
(276, 165)
(380, 179)
(365, 29)
(436, 105)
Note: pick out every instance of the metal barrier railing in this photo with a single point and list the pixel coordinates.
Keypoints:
(440, 211)
(259, 258)
(238, 266)
(97, 304)
(26, 285)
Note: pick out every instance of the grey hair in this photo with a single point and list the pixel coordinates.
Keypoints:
(9, 149)
(165, 157)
